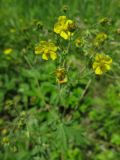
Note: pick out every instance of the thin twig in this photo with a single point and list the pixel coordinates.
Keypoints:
(86, 88)
(84, 92)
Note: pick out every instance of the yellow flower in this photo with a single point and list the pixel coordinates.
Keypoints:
(47, 49)
(79, 42)
(64, 27)
(5, 140)
(8, 51)
(100, 39)
(61, 76)
(102, 63)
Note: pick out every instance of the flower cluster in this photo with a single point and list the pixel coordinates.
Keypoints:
(47, 49)
(65, 28)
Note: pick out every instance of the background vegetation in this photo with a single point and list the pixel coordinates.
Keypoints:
(39, 119)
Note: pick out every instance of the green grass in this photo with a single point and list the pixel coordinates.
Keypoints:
(39, 119)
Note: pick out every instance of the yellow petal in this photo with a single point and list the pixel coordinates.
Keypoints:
(57, 28)
(98, 71)
(107, 67)
(53, 55)
(95, 65)
(62, 18)
(52, 47)
(65, 80)
(98, 57)
(69, 22)
(43, 43)
(64, 35)
(45, 56)
(108, 60)
(7, 51)
(38, 50)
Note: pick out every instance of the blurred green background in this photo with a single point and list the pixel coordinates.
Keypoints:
(31, 126)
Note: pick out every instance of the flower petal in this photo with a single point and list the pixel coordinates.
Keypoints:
(64, 35)
(62, 18)
(53, 55)
(38, 50)
(98, 71)
(95, 65)
(108, 60)
(57, 28)
(107, 67)
(45, 56)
